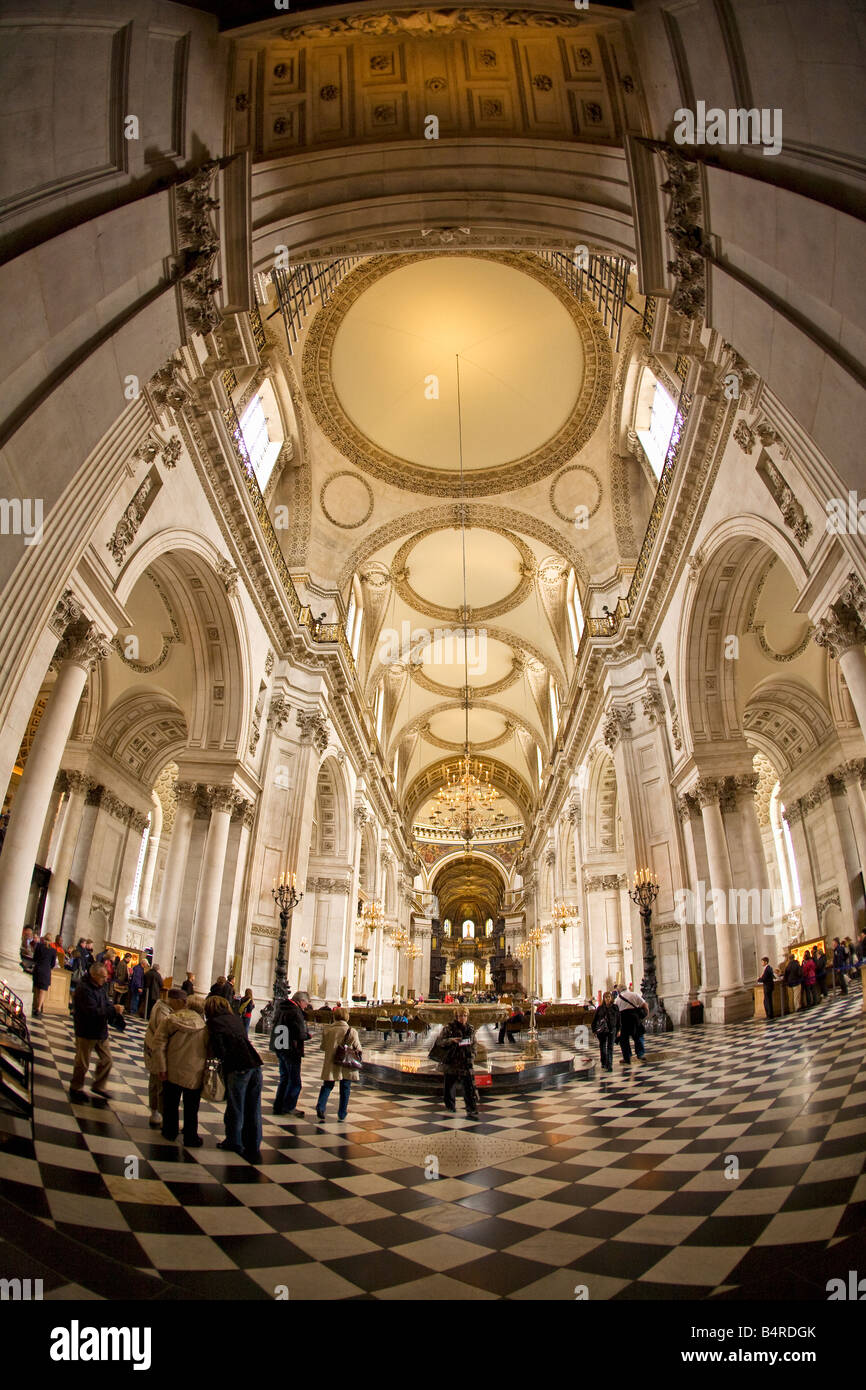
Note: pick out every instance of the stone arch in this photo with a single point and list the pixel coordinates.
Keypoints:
(144, 729)
(786, 721)
(715, 607)
(469, 887)
(201, 587)
(332, 811)
(603, 824)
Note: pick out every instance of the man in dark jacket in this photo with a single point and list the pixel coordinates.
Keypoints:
(767, 980)
(793, 977)
(289, 1032)
(459, 1037)
(136, 986)
(840, 964)
(242, 1073)
(820, 970)
(153, 988)
(92, 1011)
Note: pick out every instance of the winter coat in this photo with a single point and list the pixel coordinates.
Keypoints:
(840, 959)
(820, 966)
(44, 961)
(181, 1048)
(332, 1035)
(287, 1015)
(225, 990)
(459, 1058)
(121, 973)
(136, 977)
(91, 1010)
(229, 1042)
(808, 969)
(605, 1021)
(767, 977)
(158, 1014)
(152, 983)
(793, 975)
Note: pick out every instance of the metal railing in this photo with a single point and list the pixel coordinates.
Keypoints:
(16, 1055)
(649, 316)
(604, 282)
(298, 288)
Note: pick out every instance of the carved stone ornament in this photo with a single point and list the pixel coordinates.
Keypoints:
(421, 23)
(659, 655)
(573, 810)
(844, 625)
(168, 387)
(687, 806)
(793, 512)
(199, 245)
(617, 724)
(228, 574)
(221, 798)
(709, 791)
(128, 526)
(83, 645)
(653, 706)
(314, 729)
(67, 610)
(186, 793)
(684, 229)
(279, 712)
(744, 437)
(269, 662)
(362, 817)
(675, 732)
(78, 784)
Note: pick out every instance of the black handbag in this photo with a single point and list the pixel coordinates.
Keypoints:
(440, 1051)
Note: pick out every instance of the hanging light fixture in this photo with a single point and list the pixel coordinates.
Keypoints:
(467, 797)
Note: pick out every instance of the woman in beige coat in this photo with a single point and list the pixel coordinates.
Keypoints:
(333, 1034)
(160, 1011)
(180, 1053)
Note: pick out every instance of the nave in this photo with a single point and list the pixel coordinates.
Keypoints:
(622, 1185)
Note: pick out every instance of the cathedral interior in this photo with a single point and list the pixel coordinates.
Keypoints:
(432, 564)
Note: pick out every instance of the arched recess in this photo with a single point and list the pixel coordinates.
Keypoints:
(469, 886)
(367, 863)
(331, 838)
(603, 822)
(787, 721)
(143, 730)
(505, 779)
(716, 607)
(202, 592)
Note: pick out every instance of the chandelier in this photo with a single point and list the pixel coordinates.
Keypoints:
(565, 915)
(399, 938)
(372, 915)
(466, 800)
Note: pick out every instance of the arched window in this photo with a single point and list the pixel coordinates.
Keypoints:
(446, 926)
(355, 616)
(784, 852)
(468, 928)
(554, 707)
(538, 761)
(654, 420)
(574, 612)
(262, 430)
(379, 710)
(488, 927)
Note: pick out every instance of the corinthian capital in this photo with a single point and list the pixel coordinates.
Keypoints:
(617, 724)
(221, 798)
(844, 624)
(709, 791)
(67, 610)
(82, 644)
(314, 729)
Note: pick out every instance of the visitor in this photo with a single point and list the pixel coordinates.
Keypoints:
(511, 1025)
(793, 977)
(188, 985)
(243, 1007)
(44, 961)
(121, 979)
(767, 978)
(28, 942)
(180, 1054)
(459, 1038)
(289, 1032)
(153, 988)
(337, 1034)
(605, 1025)
(93, 1011)
(633, 1008)
(136, 987)
(242, 1074)
(807, 969)
(222, 988)
(60, 949)
(840, 965)
(160, 1011)
(400, 1021)
(820, 959)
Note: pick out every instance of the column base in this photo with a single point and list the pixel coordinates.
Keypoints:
(729, 1006)
(18, 981)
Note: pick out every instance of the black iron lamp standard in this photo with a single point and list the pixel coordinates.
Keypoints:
(643, 894)
(286, 897)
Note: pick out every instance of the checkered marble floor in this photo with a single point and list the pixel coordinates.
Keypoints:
(730, 1165)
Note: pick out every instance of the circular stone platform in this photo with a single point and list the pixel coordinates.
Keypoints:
(407, 1067)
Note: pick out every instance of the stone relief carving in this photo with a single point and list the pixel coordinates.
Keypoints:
(313, 729)
(199, 245)
(134, 513)
(82, 644)
(684, 230)
(744, 437)
(278, 713)
(67, 610)
(617, 724)
(418, 23)
(168, 387)
(844, 625)
(793, 512)
(653, 706)
(228, 574)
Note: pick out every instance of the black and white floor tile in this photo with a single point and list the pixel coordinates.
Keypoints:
(730, 1165)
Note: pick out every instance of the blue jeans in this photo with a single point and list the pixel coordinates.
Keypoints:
(627, 1021)
(345, 1092)
(289, 1087)
(134, 1000)
(243, 1117)
(605, 1043)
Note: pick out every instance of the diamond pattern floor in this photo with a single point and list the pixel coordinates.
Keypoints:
(730, 1165)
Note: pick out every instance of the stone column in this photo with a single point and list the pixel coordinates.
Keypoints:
(79, 786)
(52, 829)
(145, 888)
(361, 816)
(843, 632)
(246, 810)
(173, 879)
(794, 815)
(721, 880)
(764, 933)
(851, 775)
(135, 822)
(222, 802)
(81, 646)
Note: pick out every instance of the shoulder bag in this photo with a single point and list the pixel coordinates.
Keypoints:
(213, 1086)
(347, 1055)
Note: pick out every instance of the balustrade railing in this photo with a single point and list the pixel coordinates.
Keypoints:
(603, 281)
(298, 288)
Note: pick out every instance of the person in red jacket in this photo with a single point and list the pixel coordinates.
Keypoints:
(810, 993)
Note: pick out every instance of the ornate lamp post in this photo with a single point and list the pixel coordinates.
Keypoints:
(287, 898)
(535, 938)
(643, 894)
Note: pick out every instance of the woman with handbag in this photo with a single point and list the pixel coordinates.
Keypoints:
(342, 1048)
(180, 1053)
(455, 1048)
(605, 1025)
(633, 1009)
